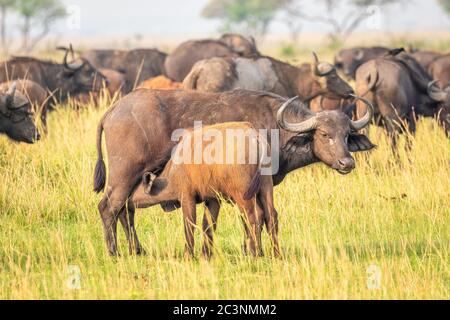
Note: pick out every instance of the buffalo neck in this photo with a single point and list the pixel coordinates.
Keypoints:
(294, 158)
(54, 74)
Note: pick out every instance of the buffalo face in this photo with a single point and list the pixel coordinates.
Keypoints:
(81, 76)
(332, 86)
(16, 117)
(333, 135)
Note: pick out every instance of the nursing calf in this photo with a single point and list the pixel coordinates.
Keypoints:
(223, 160)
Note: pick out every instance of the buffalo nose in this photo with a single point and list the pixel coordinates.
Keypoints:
(347, 163)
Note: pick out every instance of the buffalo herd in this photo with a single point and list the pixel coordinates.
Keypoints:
(226, 84)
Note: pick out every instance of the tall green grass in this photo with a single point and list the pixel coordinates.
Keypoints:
(390, 212)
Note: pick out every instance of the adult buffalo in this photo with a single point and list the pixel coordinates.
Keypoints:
(267, 74)
(400, 89)
(136, 65)
(180, 62)
(16, 116)
(138, 133)
(35, 94)
(61, 80)
(348, 60)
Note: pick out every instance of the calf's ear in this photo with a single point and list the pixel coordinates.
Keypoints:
(152, 184)
(359, 142)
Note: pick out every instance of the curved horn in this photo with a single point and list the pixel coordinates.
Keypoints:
(10, 95)
(435, 93)
(364, 121)
(359, 55)
(316, 64)
(321, 69)
(73, 66)
(304, 126)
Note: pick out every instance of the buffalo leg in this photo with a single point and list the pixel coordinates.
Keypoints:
(209, 225)
(189, 218)
(252, 216)
(270, 217)
(109, 211)
(126, 218)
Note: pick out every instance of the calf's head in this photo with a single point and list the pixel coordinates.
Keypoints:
(332, 135)
(16, 117)
(331, 85)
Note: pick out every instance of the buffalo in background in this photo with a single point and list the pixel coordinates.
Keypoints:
(180, 62)
(17, 116)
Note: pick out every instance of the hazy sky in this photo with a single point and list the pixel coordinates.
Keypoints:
(178, 17)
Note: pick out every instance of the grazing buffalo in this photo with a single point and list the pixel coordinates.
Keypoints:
(348, 60)
(35, 94)
(16, 116)
(60, 80)
(180, 62)
(136, 65)
(439, 69)
(397, 85)
(185, 181)
(138, 131)
(267, 74)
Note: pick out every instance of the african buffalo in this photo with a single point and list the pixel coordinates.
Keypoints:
(214, 178)
(267, 74)
(136, 65)
(180, 62)
(397, 85)
(138, 131)
(16, 116)
(60, 80)
(35, 94)
(348, 60)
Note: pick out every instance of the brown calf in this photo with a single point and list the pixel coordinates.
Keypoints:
(233, 172)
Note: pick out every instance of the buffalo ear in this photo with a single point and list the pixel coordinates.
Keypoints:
(359, 142)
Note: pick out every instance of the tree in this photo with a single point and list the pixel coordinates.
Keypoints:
(251, 17)
(342, 26)
(445, 4)
(5, 5)
(38, 15)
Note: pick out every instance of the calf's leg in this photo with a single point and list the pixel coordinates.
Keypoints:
(190, 219)
(209, 225)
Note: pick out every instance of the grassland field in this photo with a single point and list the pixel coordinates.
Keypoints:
(382, 232)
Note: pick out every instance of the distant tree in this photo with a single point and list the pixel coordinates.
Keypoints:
(342, 26)
(445, 4)
(38, 16)
(251, 17)
(5, 6)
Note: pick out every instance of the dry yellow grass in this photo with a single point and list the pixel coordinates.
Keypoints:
(391, 213)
